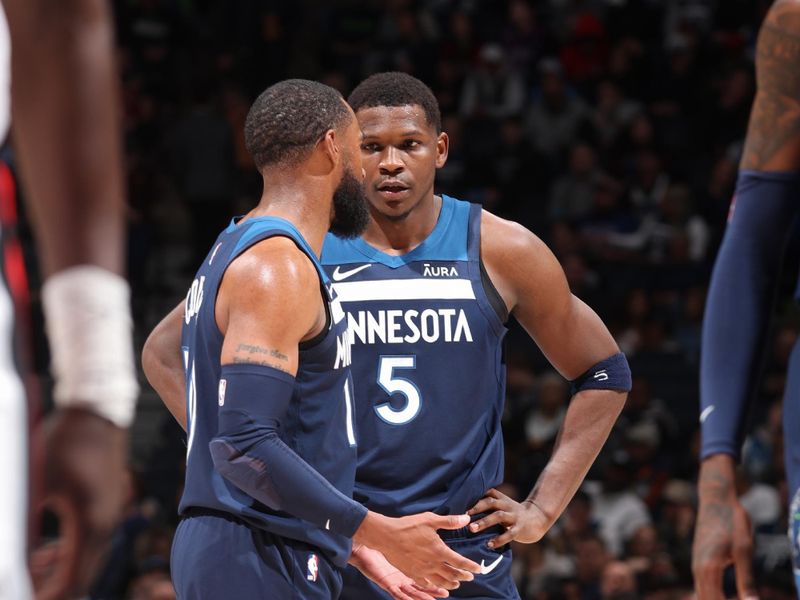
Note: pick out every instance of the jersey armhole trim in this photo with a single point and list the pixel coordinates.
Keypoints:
(317, 339)
(492, 295)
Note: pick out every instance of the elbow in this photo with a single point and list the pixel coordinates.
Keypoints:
(150, 359)
(224, 455)
(237, 467)
(245, 470)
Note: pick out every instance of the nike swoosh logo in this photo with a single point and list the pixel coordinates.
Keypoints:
(340, 275)
(486, 569)
(328, 524)
(704, 415)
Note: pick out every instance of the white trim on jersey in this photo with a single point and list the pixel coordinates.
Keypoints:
(405, 289)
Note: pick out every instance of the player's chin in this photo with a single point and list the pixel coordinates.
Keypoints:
(393, 208)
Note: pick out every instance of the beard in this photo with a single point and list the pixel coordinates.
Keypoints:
(350, 212)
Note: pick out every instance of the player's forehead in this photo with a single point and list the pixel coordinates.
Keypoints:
(380, 121)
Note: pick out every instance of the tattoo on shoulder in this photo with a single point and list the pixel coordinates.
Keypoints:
(775, 118)
(253, 349)
(245, 360)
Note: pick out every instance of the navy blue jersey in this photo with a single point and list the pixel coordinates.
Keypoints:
(427, 367)
(319, 423)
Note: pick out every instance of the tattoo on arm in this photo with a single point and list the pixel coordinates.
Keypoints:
(252, 349)
(252, 354)
(775, 117)
(715, 520)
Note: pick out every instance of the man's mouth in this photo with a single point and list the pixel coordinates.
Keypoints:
(392, 186)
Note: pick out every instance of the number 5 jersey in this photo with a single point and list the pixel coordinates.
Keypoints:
(427, 363)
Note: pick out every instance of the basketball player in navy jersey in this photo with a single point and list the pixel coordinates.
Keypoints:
(64, 96)
(428, 289)
(271, 451)
(740, 300)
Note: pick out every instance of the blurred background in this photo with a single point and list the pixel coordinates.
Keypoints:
(610, 128)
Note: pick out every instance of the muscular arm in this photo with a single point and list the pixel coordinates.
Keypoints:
(741, 292)
(773, 133)
(163, 364)
(573, 338)
(267, 304)
(747, 266)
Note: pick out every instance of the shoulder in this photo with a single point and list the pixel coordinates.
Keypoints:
(274, 267)
(519, 263)
(502, 239)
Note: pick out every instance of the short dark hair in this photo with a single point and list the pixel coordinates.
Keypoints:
(396, 89)
(289, 117)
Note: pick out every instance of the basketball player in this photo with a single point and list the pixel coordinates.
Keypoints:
(428, 289)
(67, 139)
(737, 313)
(271, 452)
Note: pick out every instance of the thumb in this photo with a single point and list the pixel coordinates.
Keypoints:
(449, 521)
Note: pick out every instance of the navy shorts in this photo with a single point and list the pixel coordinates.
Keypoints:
(495, 584)
(215, 556)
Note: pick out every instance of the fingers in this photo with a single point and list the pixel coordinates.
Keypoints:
(438, 581)
(449, 556)
(431, 590)
(708, 581)
(414, 592)
(462, 564)
(448, 521)
(504, 538)
(456, 574)
(482, 506)
(56, 566)
(399, 593)
(499, 517)
(743, 557)
(488, 503)
(446, 574)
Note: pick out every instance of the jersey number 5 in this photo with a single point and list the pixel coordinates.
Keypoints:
(398, 385)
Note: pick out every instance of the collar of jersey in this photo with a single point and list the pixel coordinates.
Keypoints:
(434, 237)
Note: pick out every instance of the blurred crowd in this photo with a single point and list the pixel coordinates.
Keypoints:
(610, 128)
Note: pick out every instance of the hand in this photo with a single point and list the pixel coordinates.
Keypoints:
(524, 521)
(722, 535)
(412, 545)
(374, 565)
(85, 477)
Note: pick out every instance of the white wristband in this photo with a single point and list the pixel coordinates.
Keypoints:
(89, 326)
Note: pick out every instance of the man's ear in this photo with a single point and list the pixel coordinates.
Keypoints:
(442, 149)
(328, 147)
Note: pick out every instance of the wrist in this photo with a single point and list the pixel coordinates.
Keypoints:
(356, 558)
(368, 531)
(542, 520)
(717, 476)
(89, 327)
(718, 467)
(721, 461)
